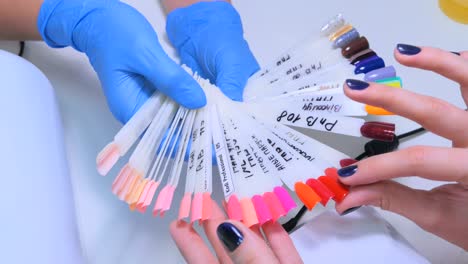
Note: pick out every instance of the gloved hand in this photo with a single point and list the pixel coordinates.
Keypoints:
(122, 48)
(209, 39)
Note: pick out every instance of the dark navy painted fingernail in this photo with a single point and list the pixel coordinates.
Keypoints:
(356, 84)
(347, 171)
(408, 49)
(350, 210)
(456, 53)
(230, 236)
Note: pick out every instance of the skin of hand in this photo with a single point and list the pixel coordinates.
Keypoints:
(442, 211)
(209, 39)
(123, 49)
(233, 242)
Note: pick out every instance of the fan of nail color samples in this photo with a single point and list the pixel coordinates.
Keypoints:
(258, 153)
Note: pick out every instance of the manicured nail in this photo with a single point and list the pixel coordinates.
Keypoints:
(378, 130)
(456, 53)
(347, 171)
(350, 210)
(230, 236)
(356, 84)
(408, 49)
(369, 64)
(347, 162)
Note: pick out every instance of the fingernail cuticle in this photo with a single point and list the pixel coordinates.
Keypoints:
(230, 236)
(406, 49)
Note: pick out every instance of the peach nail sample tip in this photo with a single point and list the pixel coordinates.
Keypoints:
(207, 206)
(249, 216)
(184, 210)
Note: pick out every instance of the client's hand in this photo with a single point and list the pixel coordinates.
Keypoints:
(233, 242)
(442, 210)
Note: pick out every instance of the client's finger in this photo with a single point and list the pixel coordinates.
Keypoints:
(210, 226)
(435, 163)
(416, 205)
(243, 245)
(190, 244)
(439, 61)
(281, 243)
(434, 114)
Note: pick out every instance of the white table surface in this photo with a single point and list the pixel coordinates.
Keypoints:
(270, 27)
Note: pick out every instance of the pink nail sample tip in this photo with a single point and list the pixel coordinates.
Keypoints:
(197, 207)
(286, 200)
(160, 200)
(234, 209)
(262, 210)
(169, 197)
(184, 210)
(150, 195)
(274, 204)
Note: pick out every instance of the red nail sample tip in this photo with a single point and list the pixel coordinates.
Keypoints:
(347, 162)
(379, 131)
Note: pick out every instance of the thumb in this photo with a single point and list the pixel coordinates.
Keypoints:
(173, 81)
(243, 245)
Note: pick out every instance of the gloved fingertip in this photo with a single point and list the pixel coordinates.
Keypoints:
(194, 100)
(233, 92)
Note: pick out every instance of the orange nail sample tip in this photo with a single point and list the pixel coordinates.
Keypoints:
(307, 195)
(321, 190)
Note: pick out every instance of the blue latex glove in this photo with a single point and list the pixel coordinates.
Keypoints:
(209, 39)
(123, 49)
